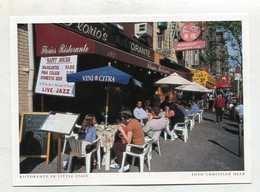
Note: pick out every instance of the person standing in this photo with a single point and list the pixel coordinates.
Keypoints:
(219, 105)
(205, 100)
(211, 101)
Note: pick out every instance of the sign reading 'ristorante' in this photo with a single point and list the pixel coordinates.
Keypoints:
(111, 37)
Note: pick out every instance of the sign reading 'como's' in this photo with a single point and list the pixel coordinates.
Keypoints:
(111, 37)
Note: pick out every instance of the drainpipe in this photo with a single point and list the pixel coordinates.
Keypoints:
(31, 68)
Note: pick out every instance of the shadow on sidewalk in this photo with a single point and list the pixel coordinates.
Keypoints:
(231, 131)
(232, 125)
(212, 141)
(28, 164)
(206, 119)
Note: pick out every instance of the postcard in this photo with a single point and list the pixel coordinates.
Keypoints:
(100, 100)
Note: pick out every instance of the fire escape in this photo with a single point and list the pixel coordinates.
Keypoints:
(166, 40)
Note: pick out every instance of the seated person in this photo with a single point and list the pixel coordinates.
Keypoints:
(134, 135)
(183, 110)
(239, 110)
(175, 116)
(194, 108)
(147, 106)
(165, 102)
(155, 125)
(119, 138)
(88, 132)
(139, 113)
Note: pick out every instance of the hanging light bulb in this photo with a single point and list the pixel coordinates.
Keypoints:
(149, 72)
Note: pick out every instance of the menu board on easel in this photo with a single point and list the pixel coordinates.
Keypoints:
(61, 123)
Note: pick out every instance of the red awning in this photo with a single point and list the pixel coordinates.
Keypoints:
(52, 40)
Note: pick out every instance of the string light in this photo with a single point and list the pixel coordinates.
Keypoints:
(149, 72)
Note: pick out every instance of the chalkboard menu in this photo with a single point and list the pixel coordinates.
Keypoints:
(33, 141)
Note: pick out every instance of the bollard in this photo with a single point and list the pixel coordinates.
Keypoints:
(240, 136)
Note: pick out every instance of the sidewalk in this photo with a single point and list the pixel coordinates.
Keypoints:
(210, 147)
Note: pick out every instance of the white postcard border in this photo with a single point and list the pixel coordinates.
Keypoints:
(130, 178)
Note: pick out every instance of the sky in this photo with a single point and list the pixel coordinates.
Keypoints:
(231, 52)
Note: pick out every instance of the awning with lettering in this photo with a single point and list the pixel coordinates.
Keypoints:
(52, 40)
(223, 84)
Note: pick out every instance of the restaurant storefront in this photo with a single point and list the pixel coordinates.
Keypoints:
(96, 45)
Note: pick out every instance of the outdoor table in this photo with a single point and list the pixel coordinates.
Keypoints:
(107, 137)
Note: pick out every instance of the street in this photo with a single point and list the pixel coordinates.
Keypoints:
(210, 147)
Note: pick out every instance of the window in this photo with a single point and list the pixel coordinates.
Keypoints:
(160, 39)
(142, 27)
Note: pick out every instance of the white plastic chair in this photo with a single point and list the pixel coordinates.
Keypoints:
(182, 127)
(72, 135)
(165, 131)
(146, 153)
(156, 138)
(78, 149)
(192, 118)
(200, 113)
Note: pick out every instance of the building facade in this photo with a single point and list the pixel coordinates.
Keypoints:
(95, 45)
(23, 69)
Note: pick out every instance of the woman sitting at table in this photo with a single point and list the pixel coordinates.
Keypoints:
(119, 138)
(88, 132)
(134, 135)
(175, 115)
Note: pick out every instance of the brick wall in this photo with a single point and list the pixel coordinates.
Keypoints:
(23, 62)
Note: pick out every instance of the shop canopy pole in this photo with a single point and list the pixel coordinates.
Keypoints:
(42, 103)
(106, 115)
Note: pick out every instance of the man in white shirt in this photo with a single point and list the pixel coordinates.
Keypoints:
(139, 113)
